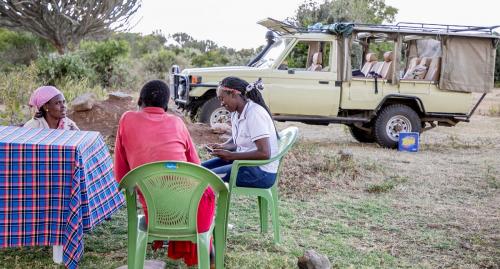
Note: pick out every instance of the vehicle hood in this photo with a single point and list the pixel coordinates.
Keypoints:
(218, 70)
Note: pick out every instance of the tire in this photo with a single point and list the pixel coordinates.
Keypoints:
(392, 120)
(212, 112)
(360, 135)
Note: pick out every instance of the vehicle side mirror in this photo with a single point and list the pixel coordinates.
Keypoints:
(291, 71)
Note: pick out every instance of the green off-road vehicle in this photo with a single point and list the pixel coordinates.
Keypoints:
(378, 80)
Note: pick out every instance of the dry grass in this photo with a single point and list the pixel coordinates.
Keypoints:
(443, 200)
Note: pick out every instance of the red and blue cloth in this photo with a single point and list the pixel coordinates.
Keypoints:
(54, 186)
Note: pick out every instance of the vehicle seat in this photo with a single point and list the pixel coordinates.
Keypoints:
(411, 66)
(419, 71)
(371, 59)
(316, 62)
(386, 70)
(433, 71)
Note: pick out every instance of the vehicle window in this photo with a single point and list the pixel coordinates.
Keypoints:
(308, 56)
(273, 53)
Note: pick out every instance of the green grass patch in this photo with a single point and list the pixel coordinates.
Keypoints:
(386, 185)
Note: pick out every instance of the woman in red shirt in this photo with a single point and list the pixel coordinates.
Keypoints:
(150, 135)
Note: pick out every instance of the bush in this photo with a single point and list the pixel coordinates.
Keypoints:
(15, 90)
(158, 63)
(73, 88)
(20, 48)
(55, 68)
(103, 56)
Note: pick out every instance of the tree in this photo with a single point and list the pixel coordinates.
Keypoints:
(67, 22)
(330, 11)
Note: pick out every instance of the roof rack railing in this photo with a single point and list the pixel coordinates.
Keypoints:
(432, 27)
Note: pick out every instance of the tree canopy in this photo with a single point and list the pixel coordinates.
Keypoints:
(67, 22)
(330, 11)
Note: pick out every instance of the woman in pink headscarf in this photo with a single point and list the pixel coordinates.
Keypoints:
(51, 110)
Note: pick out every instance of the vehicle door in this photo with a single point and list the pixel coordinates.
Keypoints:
(303, 83)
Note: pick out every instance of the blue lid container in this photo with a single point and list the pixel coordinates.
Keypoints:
(408, 141)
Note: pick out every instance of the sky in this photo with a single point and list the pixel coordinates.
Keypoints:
(233, 23)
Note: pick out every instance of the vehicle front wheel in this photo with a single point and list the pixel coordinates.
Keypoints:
(211, 112)
(392, 120)
(361, 135)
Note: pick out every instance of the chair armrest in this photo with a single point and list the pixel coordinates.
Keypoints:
(237, 164)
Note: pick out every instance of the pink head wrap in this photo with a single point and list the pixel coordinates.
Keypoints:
(42, 95)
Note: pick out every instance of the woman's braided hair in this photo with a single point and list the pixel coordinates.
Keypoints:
(248, 90)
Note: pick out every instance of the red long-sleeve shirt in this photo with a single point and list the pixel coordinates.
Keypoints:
(152, 135)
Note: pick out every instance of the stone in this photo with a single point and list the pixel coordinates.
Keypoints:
(345, 155)
(313, 260)
(149, 264)
(83, 102)
(120, 96)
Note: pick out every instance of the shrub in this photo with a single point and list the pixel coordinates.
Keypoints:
(20, 48)
(103, 56)
(15, 90)
(54, 68)
(159, 62)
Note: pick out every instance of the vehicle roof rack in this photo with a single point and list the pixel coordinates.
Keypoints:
(431, 28)
(281, 28)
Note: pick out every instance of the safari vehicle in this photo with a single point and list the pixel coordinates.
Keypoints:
(379, 80)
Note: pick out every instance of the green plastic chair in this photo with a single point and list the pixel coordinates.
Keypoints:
(172, 191)
(266, 197)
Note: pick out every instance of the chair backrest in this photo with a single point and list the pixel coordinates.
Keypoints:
(386, 69)
(172, 190)
(433, 71)
(371, 59)
(316, 62)
(288, 137)
(411, 67)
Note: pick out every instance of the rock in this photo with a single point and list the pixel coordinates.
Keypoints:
(149, 264)
(313, 260)
(120, 96)
(220, 128)
(345, 155)
(83, 102)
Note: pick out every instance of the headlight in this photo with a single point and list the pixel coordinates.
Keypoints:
(195, 79)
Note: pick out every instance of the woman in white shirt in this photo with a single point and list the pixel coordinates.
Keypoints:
(51, 110)
(254, 136)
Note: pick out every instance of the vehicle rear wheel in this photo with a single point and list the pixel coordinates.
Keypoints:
(361, 135)
(211, 112)
(391, 121)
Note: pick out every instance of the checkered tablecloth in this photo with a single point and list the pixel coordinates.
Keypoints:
(54, 186)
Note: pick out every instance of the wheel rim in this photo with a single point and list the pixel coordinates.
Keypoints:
(397, 124)
(220, 115)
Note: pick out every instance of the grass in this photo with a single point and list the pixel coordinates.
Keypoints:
(379, 209)
(386, 185)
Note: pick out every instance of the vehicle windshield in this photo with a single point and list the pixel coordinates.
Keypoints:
(273, 53)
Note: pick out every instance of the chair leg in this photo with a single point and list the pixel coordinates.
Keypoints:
(263, 214)
(275, 215)
(137, 242)
(204, 250)
(219, 242)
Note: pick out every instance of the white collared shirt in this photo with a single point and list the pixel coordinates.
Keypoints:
(254, 124)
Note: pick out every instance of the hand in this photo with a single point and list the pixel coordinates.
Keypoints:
(223, 154)
(214, 146)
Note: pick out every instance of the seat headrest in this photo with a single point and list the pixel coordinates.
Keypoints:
(388, 56)
(425, 61)
(371, 57)
(317, 58)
